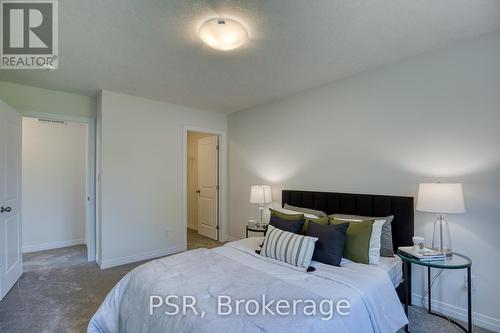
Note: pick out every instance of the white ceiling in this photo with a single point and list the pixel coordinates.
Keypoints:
(151, 48)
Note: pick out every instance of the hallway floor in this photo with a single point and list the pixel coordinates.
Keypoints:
(195, 241)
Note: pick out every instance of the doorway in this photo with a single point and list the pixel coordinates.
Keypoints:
(203, 197)
(57, 183)
(13, 202)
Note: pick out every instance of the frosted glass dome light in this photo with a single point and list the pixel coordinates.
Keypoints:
(223, 34)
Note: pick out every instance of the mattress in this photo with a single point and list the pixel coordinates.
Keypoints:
(392, 266)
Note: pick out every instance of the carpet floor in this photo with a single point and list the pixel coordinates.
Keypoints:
(60, 291)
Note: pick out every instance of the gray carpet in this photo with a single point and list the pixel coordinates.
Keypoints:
(422, 322)
(60, 291)
(196, 241)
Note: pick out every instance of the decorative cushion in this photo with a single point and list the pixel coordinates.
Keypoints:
(386, 246)
(330, 245)
(320, 220)
(286, 216)
(288, 247)
(287, 225)
(315, 212)
(357, 241)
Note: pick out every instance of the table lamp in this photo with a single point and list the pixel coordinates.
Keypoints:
(441, 199)
(260, 194)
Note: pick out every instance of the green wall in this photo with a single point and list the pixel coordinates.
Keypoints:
(26, 98)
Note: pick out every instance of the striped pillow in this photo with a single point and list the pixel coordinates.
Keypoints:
(285, 246)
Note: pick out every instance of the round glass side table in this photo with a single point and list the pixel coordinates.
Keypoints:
(256, 228)
(456, 261)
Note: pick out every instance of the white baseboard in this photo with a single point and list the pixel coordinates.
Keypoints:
(53, 245)
(98, 262)
(108, 263)
(224, 238)
(234, 238)
(456, 312)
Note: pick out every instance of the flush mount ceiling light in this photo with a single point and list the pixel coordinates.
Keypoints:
(223, 34)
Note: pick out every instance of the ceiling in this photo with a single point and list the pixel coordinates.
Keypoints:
(151, 48)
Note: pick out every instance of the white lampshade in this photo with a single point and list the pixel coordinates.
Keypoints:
(260, 194)
(440, 198)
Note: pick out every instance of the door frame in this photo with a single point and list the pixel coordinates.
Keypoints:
(223, 179)
(90, 227)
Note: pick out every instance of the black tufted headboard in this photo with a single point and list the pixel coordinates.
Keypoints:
(361, 204)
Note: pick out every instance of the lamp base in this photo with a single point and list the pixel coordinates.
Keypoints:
(447, 252)
(441, 238)
(260, 224)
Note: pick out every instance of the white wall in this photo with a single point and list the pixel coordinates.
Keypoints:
(27, 98)
(53, 184)
(141, 175)
(434, 117)
(192, 178)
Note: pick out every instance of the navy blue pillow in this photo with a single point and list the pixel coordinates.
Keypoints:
(329, 247)
(286, 225)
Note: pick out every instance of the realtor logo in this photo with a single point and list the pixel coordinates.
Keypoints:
(29, 33)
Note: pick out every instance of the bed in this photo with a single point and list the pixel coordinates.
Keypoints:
(236, 272)
(368, 205)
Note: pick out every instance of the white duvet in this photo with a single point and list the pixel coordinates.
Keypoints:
(234, 270)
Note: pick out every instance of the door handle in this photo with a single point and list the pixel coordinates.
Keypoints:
(198, 191)
(5, 209)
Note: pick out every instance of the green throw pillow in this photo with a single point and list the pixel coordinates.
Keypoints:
(357, 240)
(284, 216)
(320, 220)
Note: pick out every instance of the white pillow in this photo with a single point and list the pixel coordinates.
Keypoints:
(386, 246)
(374, 251)
(288, 247)
(316, 212)
(288, 211)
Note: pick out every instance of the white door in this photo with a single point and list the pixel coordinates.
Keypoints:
(11, 256)
(208, 186)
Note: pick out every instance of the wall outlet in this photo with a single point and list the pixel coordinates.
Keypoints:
(473, 282)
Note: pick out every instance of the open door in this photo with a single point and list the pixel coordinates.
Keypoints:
(208, 186)
(11, 256)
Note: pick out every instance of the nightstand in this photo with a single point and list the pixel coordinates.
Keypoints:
(457, 261)
(255, 228)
